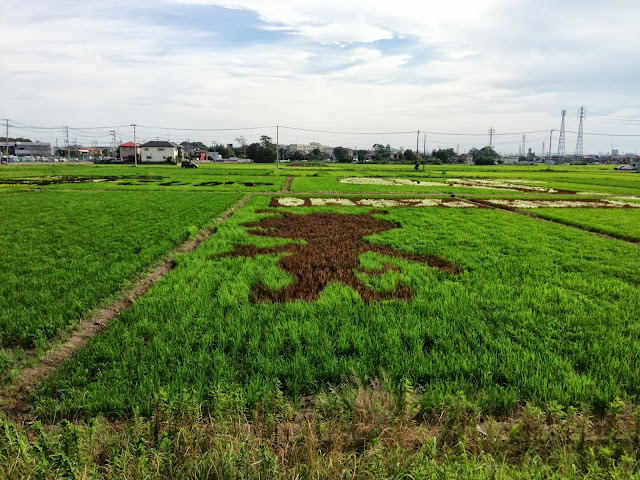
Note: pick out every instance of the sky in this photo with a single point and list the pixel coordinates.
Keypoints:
(338, 72)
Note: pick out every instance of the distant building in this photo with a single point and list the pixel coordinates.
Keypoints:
(127, 150)
(73, 151)
(465, 158)
(614, 153)
(27, 149)
(161, 151)
(200, 155)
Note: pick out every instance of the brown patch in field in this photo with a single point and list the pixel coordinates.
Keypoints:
(13, 397)
(213, 184)
(256, 184)
(246, 184)
(334, 243)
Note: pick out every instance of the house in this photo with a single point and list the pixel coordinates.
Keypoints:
(127, 151)
(161, 151)
(465, 158)
(200, 155)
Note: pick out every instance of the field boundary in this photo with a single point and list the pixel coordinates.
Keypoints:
(480, 202)
(287, 185)
(13, 397)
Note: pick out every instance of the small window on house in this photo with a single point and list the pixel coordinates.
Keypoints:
(146, 149)
(148, 157)
(161, 149)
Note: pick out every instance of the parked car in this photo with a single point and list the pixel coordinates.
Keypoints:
(188, 164)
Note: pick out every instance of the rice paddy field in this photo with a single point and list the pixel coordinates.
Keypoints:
(341, 321)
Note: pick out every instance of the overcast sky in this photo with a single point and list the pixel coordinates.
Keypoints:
(456, 66)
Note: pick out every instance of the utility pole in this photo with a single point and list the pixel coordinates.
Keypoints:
(113, 142)
(135, 146)
(277, 146)
(68, 152)
(542, 149)
(418, 143)
(550, 137)
(6, 123)
(581, 114)
(491, 132)
(424, 154)
(524, 138)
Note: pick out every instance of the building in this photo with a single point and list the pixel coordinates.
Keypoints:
(73, 151)
(26, 149)
(200, 155)
(465, 158)
(161, 151)
(127, 151)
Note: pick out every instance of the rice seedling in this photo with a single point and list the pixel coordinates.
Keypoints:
(542, 313)
(63, 252)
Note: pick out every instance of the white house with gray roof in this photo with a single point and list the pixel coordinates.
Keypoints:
(160, 151)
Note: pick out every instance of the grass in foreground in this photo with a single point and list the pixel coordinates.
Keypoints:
(543, 313)
(369, 432)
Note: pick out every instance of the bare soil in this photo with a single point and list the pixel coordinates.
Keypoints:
(334, 243)
(287, 186)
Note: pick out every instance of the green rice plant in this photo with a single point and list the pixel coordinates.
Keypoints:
(542, 313)
(617, 222)
(64, 252)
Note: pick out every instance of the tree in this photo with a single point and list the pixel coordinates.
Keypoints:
(315, 155)
(445, 155)
(362, 155)
(410, 156)
(484, 152)
(381, 153)
(342, 155)
(263, 152)
(223, 150)
(243, 143)
(297, 156)
(484, 160)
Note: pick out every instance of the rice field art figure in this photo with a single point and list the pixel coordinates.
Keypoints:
(331, 253)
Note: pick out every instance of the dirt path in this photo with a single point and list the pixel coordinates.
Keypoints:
(13, 397)
(542, 219)
(287, 186)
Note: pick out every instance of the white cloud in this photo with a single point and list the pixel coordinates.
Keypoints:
(359, 65)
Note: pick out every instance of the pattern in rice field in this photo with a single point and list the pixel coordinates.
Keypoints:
(511, 185)
(334, 243)
(514, 203)
(371, 202)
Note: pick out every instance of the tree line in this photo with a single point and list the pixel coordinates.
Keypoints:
(264, 151)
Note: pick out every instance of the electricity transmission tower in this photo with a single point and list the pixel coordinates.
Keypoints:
(579, 144)
(561, 141)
